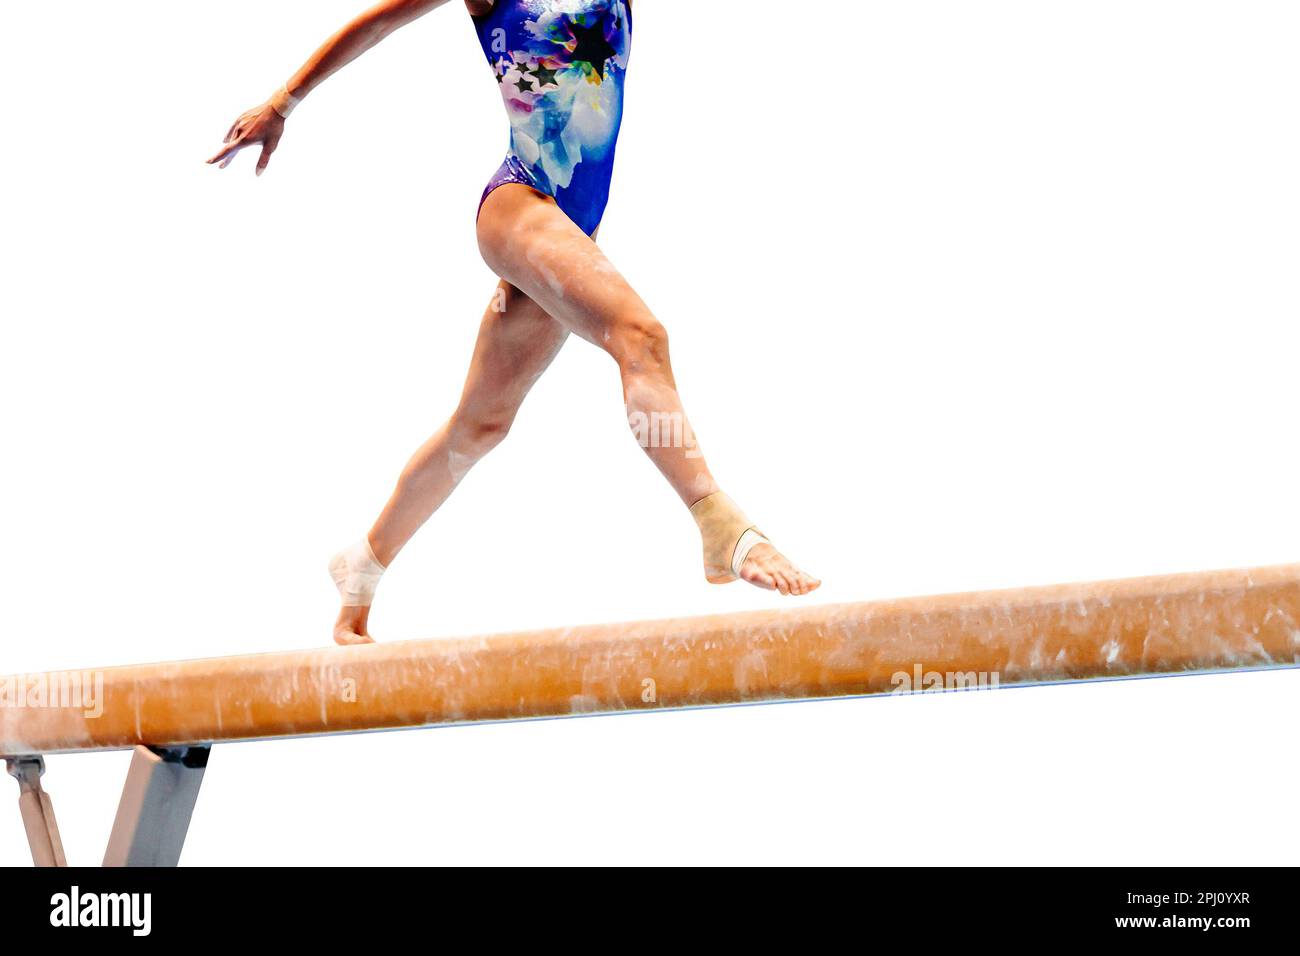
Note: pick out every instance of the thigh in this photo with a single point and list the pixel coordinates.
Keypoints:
(517, 341)
(527, 240)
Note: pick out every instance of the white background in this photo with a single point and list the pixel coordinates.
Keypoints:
(1011, 288)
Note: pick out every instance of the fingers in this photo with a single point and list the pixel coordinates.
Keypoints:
(268, 148)
(226, 155)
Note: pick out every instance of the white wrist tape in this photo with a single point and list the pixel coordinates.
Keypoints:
(284, 102)
(356, 571)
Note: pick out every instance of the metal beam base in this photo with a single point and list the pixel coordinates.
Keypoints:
(157, 804)
(37, 810)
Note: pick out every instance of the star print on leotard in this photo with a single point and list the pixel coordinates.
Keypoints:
(544, 76)
(592, 49)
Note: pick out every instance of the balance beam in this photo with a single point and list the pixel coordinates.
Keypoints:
(1179, 624)
(1162, 625)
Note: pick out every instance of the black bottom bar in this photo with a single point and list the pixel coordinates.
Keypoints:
(906, 907)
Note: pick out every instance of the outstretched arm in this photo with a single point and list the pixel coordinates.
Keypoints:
(265, 124)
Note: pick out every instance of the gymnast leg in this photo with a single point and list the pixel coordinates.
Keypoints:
(527, 240)
(516, 342)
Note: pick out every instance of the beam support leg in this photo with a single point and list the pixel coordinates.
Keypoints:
(37, 810)
(157, 804)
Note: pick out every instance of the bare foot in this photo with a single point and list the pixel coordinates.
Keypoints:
(766, 567)
(350, 628)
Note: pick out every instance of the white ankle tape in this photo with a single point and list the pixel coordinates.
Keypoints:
(747, 543)
(284, 102)
(356, 571)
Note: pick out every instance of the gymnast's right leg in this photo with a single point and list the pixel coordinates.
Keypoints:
(516, 343)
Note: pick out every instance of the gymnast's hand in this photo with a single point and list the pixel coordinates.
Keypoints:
(263, 125)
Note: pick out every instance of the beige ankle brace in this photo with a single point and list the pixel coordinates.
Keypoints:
(728, 537)
(356, 571)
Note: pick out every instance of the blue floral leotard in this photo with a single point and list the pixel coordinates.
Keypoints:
(561, 66)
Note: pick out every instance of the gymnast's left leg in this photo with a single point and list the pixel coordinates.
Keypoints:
(527, 240)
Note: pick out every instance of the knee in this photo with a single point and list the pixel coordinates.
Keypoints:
(474, 434)
(639, 344)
